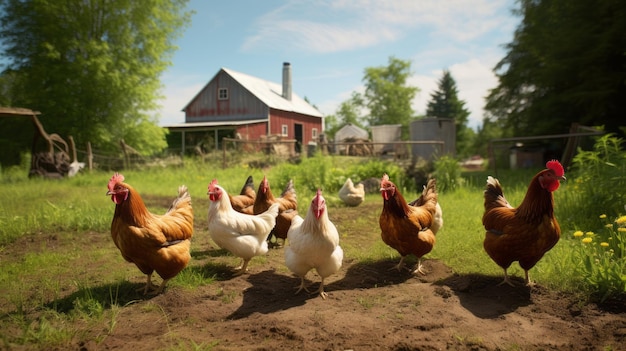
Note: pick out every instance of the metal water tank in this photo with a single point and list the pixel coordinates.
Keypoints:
(386, 133)
(433, 129)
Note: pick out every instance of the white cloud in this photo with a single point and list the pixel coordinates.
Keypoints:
(324, 27)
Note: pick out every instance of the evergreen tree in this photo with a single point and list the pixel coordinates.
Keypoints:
(445, 103)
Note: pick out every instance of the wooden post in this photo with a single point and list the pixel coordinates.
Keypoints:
(89, 156)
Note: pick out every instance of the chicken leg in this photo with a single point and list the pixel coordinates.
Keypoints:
(321, 291)
(149, 287)
(506, 279)
(418, 269)
(302, 286)
(243, 268)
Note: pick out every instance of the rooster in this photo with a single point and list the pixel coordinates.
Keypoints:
(288, 208)
(350, 194)
(408, 229)
(314, 243)
(243, 235)
(152, 242)
(245, 200)
(525, 233)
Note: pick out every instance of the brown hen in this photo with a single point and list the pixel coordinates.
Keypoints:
(408, 229)
(244, 202)
(152, 242)
(288, 208)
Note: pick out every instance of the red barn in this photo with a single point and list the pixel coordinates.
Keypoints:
(252, 108)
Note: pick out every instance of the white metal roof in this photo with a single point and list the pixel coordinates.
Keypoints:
(201, 125)
(271, 94)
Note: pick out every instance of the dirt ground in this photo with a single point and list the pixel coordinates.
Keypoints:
(370, 307)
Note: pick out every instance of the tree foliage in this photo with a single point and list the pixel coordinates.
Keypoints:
(445, 103)
(92, 67)
(387, 95)
(566, 64)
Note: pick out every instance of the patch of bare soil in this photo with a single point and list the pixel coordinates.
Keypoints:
(370, 307)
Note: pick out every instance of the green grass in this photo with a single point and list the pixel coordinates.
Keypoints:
(49, 288)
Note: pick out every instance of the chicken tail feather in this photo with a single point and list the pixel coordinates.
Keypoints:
(494, 195)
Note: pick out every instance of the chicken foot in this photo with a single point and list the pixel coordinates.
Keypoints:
(302, 286)
(149, 287)
(507, 280)
(399, 266)
(321, 291)
(418, 269)
(243, 268)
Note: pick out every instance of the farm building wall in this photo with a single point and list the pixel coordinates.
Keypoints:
(240, 104)
(252, 131)
(311, 127)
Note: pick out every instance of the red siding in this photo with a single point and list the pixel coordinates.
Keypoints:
(279, 118)
(252, 131)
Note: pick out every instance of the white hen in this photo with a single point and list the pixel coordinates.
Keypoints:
(242, 234)
(350, 194)
(313, 243)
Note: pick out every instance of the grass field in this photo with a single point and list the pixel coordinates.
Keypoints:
(63, 284)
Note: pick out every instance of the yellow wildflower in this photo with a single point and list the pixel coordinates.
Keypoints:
(609, 225)
(621, 229)
(603, 216)
(604, 244)
(621, 220)
(580, 233)
(589, 234)
(587, 240)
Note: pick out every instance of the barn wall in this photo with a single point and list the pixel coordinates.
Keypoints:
(279, 118)
(240, 105)
(252, 131)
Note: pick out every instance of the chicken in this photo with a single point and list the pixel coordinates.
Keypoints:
(314, 243)
(350, 194)
(242, 234)
(152, 242)
(288, 209)
(438, 219)
(245, 200)
(408, 229)
(525, 233)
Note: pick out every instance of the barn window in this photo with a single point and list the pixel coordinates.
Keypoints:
(285, 130)
(314, 133)
(222, 94)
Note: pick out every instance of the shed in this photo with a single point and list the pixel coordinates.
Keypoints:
(350, 131)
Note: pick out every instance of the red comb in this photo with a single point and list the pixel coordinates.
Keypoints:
(212, 184)
(114, 180)
(556, 167)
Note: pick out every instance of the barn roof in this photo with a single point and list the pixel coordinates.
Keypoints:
(270, 94)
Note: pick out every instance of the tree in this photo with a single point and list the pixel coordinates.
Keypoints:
(387, 95)
(565, 64)
(445, 103)
(93, 67)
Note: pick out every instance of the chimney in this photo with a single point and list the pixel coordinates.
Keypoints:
(287, 80)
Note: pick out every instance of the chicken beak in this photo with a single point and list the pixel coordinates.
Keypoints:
(110, 193)
(562, 178)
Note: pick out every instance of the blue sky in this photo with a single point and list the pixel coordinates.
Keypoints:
(330, 43)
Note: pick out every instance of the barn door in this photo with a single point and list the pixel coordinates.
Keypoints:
(298, 134)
